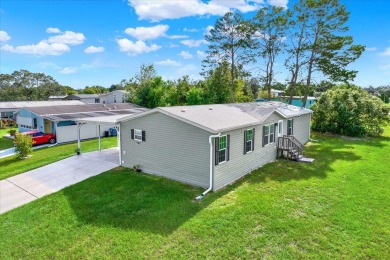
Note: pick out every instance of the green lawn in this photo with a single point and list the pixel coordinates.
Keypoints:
(5, 143)
(12, 165)
(336, 207)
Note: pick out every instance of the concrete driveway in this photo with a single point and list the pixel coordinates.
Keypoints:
(23, 188)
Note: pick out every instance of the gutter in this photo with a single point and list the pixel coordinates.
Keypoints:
(201, 196)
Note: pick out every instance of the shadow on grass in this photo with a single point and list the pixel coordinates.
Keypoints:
(128, 200)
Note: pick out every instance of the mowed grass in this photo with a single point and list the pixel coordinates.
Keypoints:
(336, 207)
(5, 143)
(10, 166)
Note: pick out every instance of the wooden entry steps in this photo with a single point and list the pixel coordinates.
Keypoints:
(291, 148)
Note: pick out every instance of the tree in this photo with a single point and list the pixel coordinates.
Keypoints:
(350, 111)
(230, 41)
(271, 25)
(23, 146)
(195, 96)
(217, 90)
(328, 50)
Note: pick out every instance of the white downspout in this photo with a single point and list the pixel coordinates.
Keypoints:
(201, 196)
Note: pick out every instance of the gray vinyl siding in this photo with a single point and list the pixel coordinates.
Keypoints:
(301, 128)
(173, 149)
(241, 164)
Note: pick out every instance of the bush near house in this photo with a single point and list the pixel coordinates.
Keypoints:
(350, 111)
(23, 146)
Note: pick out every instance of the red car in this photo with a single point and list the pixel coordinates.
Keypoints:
(40, 138)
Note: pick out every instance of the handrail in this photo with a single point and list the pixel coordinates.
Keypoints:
(290, 143)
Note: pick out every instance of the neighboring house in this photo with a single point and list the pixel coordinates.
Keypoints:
(116, 96)
(60, 120)
(85, 98)
(297, 101)
(276, 93)
(51, 98)
(174, 141)
(7, 109)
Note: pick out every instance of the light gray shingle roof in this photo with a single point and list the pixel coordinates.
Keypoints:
(21, 104)
(225, 117)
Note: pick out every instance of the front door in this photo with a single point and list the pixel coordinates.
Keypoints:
(47, 126)
(280, 128)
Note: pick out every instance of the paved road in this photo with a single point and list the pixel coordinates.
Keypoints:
(26, 187)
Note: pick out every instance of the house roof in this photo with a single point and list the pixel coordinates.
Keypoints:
(16, 105)
(225, 117)
(62, 113)
(119, 90)
(82, 96)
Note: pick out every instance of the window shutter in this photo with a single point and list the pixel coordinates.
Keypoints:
(216, 150)
(132, 134)
(143, 135)
(245, 142)
(253, 139)
(275, 130)
(227, 147)
(263, 135)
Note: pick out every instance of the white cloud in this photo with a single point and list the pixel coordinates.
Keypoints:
(4, 36)
(177, 36)
(159, 10)
(190, 30)
(185, 55)
(201, 55)
(280, 3)
(188, 69)
(48, 65)
(93, 49)
(168, 62)
(68, 70)
(42, 48)
(55, 45)
(386, 52)
(147, 33)
(134, 48)
(371, 48)
(53, 30)
(207, 30)
(194, 43)
(68, 37)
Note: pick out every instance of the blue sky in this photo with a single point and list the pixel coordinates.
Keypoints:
(86, 42)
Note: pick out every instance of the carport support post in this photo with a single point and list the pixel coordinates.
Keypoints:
(78, 138)
(100, 145)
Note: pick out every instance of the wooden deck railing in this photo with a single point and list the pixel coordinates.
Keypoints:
(291, 145)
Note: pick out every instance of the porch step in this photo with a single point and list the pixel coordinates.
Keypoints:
(306, 160)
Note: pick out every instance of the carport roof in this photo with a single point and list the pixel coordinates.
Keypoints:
(111, 119)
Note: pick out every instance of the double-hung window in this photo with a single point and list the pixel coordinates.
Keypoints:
(222, 147)
(269, 134)
(249, 140)
(138, 135)
(290, 126)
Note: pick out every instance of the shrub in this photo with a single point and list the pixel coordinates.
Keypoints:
(349, 111)
(23, 145)
(12, 132)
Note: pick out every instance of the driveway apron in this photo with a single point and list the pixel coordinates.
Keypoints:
(26, 187)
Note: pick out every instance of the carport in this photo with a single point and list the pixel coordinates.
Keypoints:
(98, 121)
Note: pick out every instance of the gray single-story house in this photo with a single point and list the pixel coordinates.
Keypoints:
(209, 146)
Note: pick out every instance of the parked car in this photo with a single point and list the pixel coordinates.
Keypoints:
(40, 138)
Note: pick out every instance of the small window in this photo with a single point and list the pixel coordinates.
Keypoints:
(290, 127)
(249, 140)
(222, 149)
(137, 135)
(271, 133)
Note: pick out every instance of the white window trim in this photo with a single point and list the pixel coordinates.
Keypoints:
(267, 136)
(135, 138)
(273, 133)
(219, 150)
(292, 126)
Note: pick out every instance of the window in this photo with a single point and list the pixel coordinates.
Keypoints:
(35, 123)
(114, 98)
(249, 140)
(290, 126)
(138, 135)
(97, 100)
(268, 134)
(222, 148)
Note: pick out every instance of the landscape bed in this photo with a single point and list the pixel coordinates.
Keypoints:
(336, 207)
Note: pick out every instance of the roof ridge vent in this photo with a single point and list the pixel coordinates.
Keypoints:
(211, 108)
(183, 110)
